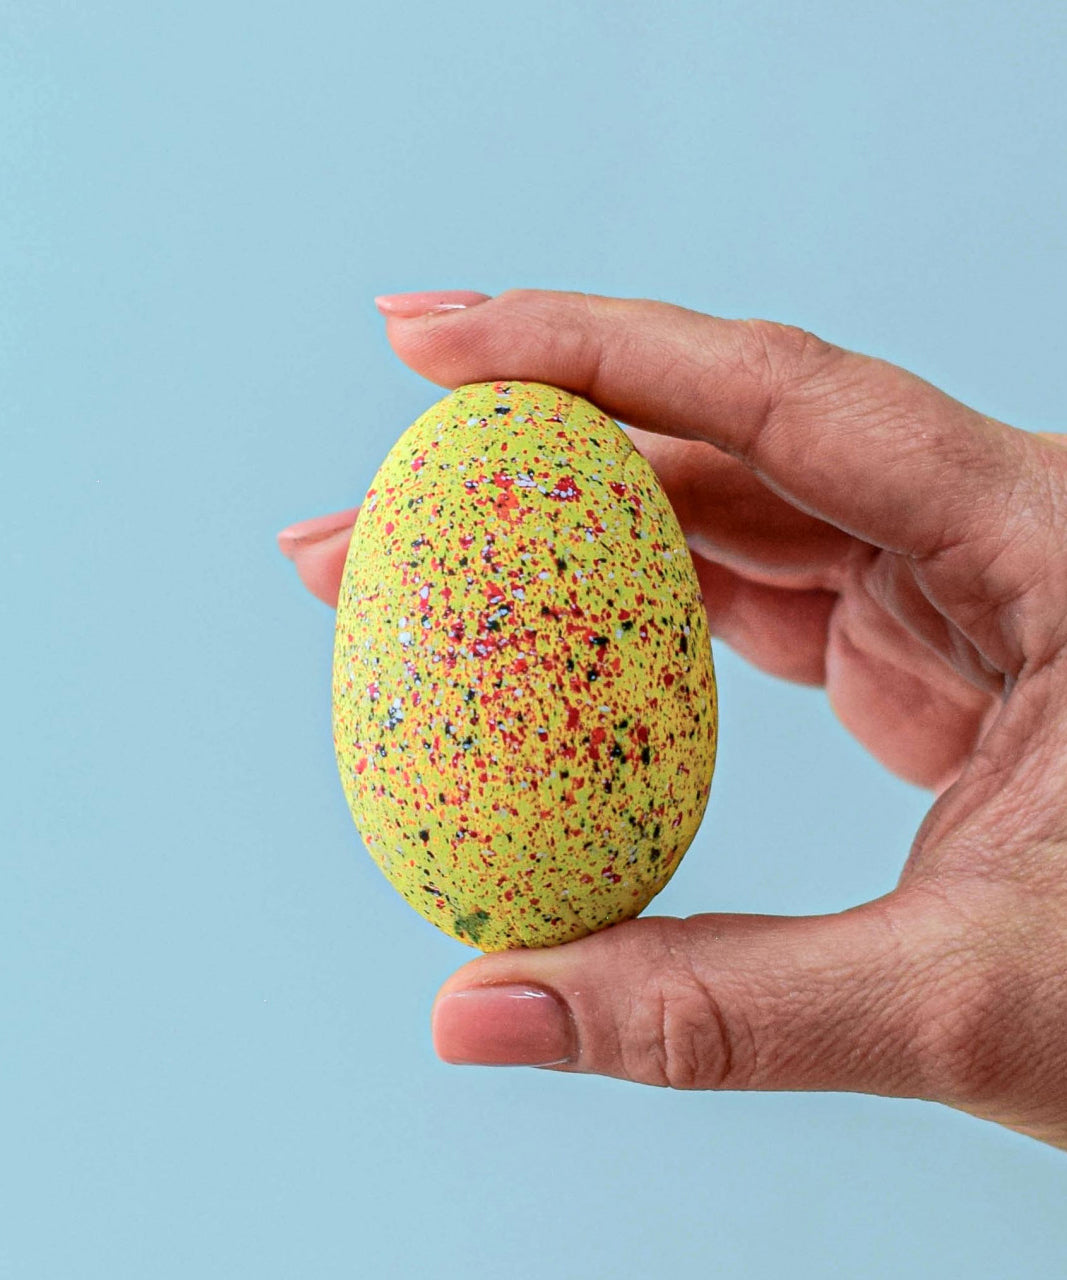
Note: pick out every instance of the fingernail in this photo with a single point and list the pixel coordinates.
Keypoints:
(315, 530)
(508, 1026)
(406, 306)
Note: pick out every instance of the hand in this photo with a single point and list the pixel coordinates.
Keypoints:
(852, 526)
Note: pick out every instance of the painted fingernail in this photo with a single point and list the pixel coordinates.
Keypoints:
(406, 306)
(507, 1026)
(314, 530)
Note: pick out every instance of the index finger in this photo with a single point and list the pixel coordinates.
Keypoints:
(862, 444)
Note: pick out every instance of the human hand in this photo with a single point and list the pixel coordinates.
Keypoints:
(855, 527)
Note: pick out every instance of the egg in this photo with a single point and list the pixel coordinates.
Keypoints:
(524, 702)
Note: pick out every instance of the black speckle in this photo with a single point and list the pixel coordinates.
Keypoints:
(646, 755)
(424, 836)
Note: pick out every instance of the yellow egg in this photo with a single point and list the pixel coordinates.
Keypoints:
(524, 703)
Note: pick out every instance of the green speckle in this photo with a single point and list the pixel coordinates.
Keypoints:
(473, 925)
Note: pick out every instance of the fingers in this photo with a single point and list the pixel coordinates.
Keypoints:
(730, 516)
(857, 442)
(731, 1002)
(778, 629)
(782, 631)
(318, 548)
(914, 714)
(919, 719)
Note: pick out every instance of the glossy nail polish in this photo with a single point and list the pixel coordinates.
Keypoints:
(513, 1025)
(406, 306)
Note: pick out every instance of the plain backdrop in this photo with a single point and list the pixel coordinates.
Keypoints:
(214, 1048)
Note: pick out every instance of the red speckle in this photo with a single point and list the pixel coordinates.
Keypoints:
(565, 490)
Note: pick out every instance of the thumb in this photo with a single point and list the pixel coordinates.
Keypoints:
(837, 1002)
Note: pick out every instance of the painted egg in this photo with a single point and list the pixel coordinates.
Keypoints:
(524, 703)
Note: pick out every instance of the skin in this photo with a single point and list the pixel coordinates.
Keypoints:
(854, 527)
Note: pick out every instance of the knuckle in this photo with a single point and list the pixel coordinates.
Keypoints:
(676, 1035)
(565, 330)
(782, 354)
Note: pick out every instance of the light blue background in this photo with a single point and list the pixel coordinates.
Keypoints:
(215, 1058)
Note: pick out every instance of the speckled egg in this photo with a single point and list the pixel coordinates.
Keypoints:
(524, 703)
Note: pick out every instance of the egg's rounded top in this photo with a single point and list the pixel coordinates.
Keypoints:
(524, 700)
